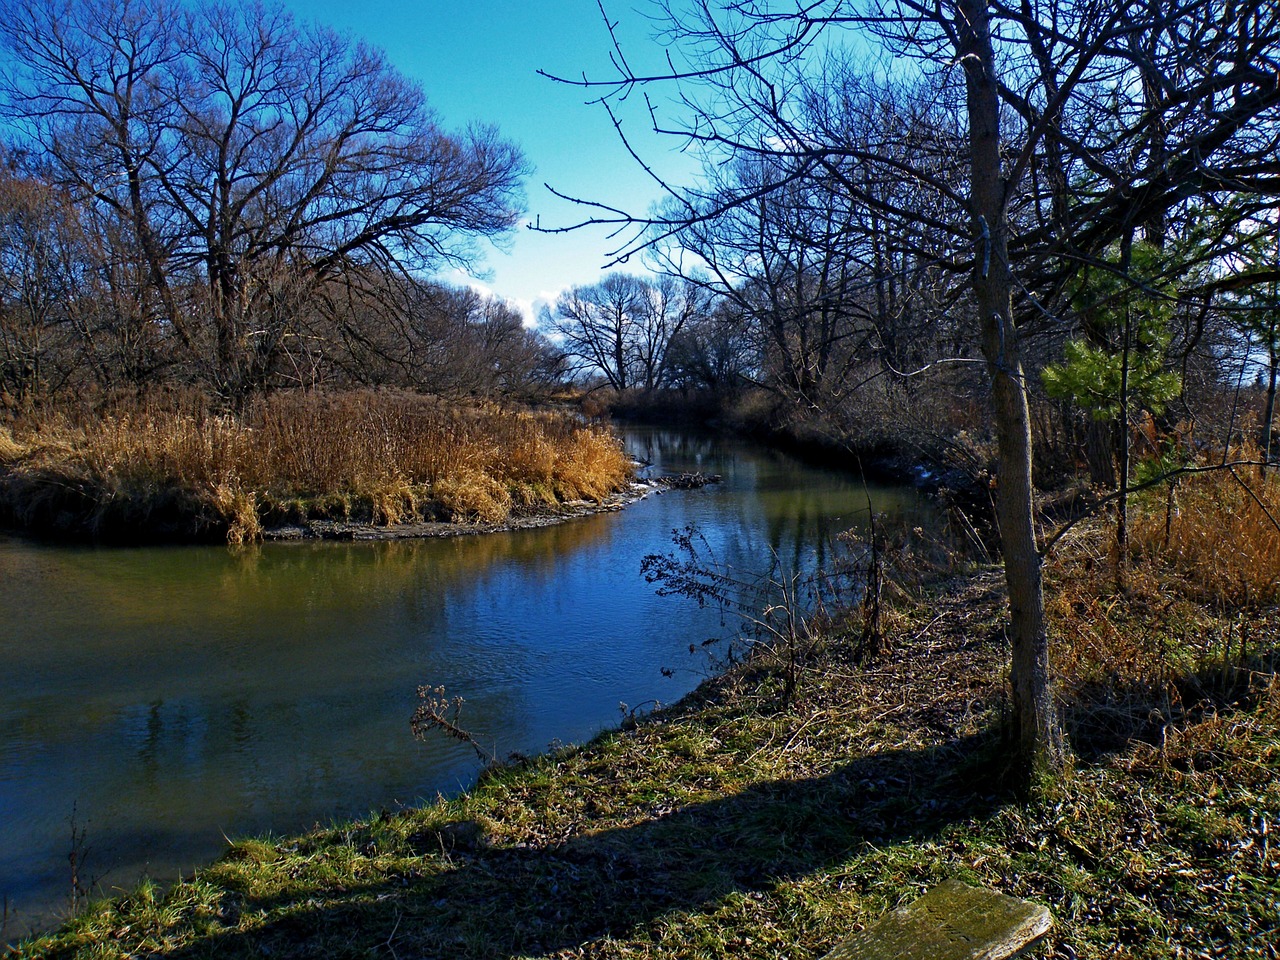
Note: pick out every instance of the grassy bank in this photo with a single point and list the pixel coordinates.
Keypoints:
(173, 469)
(741, 823)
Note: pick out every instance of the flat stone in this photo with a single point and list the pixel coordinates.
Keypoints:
(952, 921)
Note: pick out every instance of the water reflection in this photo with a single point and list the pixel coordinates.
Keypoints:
(170, 695)
(771, 506)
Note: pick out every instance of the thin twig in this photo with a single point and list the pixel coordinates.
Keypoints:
(1185, 471)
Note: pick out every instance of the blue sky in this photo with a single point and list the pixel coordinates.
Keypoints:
(477, 61)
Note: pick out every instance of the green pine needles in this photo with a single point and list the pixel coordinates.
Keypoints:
(1121, 361)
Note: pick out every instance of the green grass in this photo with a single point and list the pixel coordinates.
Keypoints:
(736, 825)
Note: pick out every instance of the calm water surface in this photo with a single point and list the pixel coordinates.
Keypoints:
(163, 699)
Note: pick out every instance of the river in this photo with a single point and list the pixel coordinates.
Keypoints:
(155, 701)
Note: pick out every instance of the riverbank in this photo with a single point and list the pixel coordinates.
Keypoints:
(171, 469)
(929, 434)
(742, 823)
(542, 516)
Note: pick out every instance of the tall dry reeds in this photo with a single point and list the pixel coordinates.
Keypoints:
(381, 457)
(1195, 625)
(1219, 536)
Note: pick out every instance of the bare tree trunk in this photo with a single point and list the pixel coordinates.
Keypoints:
(1269, 414)
(1273, 366)
(1123, 440)
(1038, 738)
(1100, 452)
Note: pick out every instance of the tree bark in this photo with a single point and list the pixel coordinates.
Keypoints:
(1036, 731)
(1100, 452)
(1269, 413)
(1124, 449)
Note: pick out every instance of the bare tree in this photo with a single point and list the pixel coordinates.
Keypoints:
(451, 341)
(715, 352)
(622, 327)
(836, 291)
(1082, 122)
(668, 305)
(243, 150)
(489, 351)
(40, 270)
(595, 326)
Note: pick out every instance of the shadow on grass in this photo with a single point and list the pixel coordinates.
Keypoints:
(514, 901)
(1105, 718)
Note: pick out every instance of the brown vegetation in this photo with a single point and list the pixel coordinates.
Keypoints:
(176, 469)
(1218, 537)
(1192, 632)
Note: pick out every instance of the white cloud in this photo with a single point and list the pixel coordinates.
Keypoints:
(458, 277)
(528, 310)
(547, 299)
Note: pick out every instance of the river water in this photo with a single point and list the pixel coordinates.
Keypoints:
(155, 701)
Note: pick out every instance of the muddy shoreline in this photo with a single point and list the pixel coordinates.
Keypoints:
(173, 523)
(542, 517)
(423, 529)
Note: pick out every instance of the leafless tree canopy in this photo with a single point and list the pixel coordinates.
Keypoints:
(623, 327)
(241, 161)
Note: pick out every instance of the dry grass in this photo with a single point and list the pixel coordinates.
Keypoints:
(10, 449)
(1191, 635)
(175, 467)
(1222, 541)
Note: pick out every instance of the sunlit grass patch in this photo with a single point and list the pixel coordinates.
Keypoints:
(1193, 632)
(1217, 538)
(10, 449)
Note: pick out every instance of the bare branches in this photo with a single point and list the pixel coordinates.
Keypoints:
(1087, 158)
(701, 27)
(235, 145)
(623, 328)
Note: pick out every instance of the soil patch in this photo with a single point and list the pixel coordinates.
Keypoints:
(538, 517)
